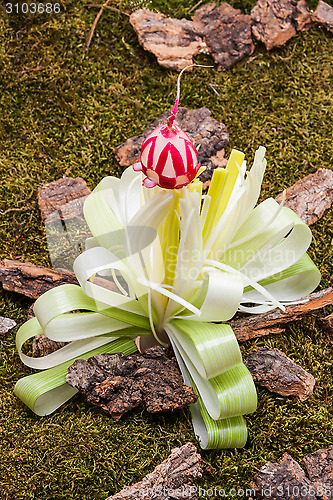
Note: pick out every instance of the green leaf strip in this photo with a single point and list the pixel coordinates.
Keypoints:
(212, 433)
(45, 391)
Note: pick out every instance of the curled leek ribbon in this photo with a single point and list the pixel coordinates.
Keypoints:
(184, 263)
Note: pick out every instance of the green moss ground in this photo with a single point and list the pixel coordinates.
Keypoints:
(49, 89)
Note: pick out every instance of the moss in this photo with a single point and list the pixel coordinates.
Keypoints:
(50, 88)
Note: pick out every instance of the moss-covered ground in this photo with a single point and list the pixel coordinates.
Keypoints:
(49, 89)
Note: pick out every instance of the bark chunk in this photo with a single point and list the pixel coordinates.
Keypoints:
(205, 131)
(274, 321)
(324, 15)
(6, 324)
(273, 21)
(30, 280)
(171, 479)
(64, 196)
(302, 16)
(119, 383)
(311, 196)
(226, 31)
(284, 480)
(61, 206)
(173, 41)
(272, 369)
(42, 346)
(319, 466)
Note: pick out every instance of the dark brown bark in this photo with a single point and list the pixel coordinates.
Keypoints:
(171, 479)
(272, 369)
(274, 321)
(211, 135)
(30, 280)
(319, 466)
(311, 196)
(64, 196)
(226, 31)
(6, 324)
(119, 383)
(217, 160)
(173, 41)
(42, 346)
(284, 480)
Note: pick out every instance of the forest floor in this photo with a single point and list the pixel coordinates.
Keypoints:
(50, 88)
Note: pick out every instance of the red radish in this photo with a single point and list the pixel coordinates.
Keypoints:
(168, 156)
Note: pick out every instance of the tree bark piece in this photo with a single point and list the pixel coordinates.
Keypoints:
(273, 21)
(30, 280)
(284, 480)
(64, 196)
(61, 205)
(324, 15)
(272, 369)
(119, 383)
(311, 196)
(30, 313)
(302, 16)
(6, 324)
(319, 466)
(42, 346)
(171, 479)
(264, 324)
(173, 41)
(227, 33)
(211, 135)
(217, 160)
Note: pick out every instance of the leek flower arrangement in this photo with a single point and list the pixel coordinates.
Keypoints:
(184, 263)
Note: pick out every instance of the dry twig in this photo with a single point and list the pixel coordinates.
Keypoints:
(92, 31)
(275, 321)
(23, 209)
(114, 9)
(195, 6)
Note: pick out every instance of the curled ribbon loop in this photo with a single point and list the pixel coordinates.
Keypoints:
(174, 268)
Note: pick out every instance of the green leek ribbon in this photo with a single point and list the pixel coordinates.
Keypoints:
(208, 260)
